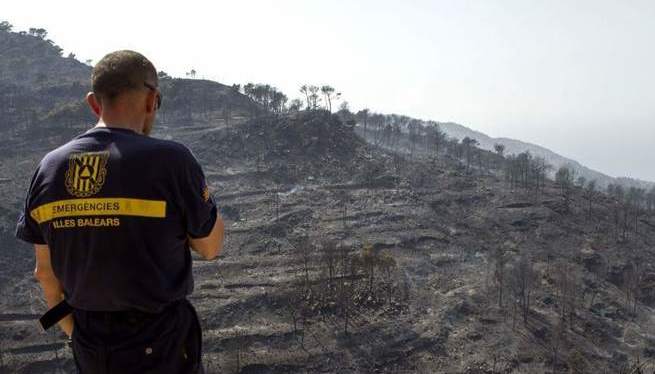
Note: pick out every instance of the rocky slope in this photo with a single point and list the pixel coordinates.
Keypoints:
(346, 258)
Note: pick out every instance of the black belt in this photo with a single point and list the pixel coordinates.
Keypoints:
(63, 309)
(55, 314)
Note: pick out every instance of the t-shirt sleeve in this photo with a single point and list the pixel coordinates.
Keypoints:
(27, 229)
(198, 206)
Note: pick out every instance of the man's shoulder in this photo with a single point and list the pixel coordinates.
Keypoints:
(169, 145)
(171, 151)
(156, 151)
(159, 146)
(57, 155)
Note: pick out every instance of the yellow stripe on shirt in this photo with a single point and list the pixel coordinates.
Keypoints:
(99, 207)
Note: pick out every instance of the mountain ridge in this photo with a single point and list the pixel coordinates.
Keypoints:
(516, 146)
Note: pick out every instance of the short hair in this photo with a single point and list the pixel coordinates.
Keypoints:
(121, 71)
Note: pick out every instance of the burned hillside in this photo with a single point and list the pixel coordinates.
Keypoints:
(293, 147)
(404, 254)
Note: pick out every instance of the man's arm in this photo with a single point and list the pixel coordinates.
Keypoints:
(210, 246)
(52, 289)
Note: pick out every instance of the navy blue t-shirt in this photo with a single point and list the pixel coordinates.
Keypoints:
(115, 207)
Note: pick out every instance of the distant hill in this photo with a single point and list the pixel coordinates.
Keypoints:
(513, 146)
(33, 62)
(42, 94)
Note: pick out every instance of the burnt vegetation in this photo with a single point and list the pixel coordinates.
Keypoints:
(359, 241)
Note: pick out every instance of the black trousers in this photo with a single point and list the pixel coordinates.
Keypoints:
(136, 342)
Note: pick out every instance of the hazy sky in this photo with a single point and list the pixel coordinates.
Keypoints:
(575, 76)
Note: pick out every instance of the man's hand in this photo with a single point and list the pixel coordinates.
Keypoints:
(52, 289)
(210, 246)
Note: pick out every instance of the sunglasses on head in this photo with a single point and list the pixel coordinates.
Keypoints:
(154, 88)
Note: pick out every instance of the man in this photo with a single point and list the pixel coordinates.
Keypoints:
(112, 215)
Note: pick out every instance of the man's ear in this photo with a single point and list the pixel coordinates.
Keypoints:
(151, 102)
(93, 102)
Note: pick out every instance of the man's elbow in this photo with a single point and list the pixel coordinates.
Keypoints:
(39, 275)
(211, 255)
(207, 249)
(211, 250)
(210, 247)
(44, 276)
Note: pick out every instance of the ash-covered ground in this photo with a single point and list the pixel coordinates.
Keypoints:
(345, 257)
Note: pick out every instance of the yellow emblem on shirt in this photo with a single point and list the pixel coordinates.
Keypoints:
(205, 194)
(86, 173)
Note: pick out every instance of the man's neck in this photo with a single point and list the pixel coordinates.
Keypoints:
(120, 125)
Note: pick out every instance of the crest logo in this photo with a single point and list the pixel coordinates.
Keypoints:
(86, 173)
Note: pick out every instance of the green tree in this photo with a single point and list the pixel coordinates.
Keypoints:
(278, 101)
(344, 107)
(267, 96)
(5, 26)
(314, 99)
(38, 32)
(295, 105)
(500, 149)
(311, 96)
(328, 93)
